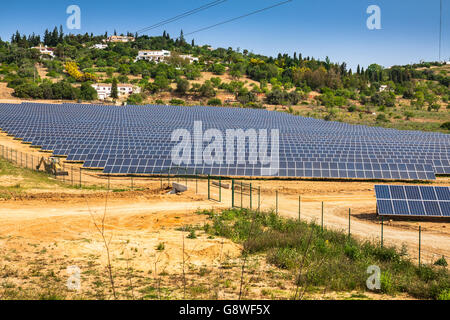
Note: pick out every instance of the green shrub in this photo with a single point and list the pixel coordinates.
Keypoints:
(441, 262)
(387, 285)
(444, 295)
(214, 102)
(192, 235)
(446, 125)
(177, 102)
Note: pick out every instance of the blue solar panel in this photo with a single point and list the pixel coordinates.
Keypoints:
(308, 147)
(413, 200)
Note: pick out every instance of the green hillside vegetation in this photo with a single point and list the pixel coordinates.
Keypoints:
(404, 97)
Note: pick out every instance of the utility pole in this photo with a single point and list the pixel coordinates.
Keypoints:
(440, 29)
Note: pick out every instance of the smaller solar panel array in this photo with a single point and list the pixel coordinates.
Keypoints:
(422, 201)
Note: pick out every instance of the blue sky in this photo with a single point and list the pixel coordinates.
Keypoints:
(318, 28)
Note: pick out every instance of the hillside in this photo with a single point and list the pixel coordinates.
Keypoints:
(404, 97)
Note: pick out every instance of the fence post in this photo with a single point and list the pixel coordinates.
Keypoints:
(276, 202)
(220, 189)
(259, 199)
(196, 184)
(232, 193)
(322, 217)
(349, 215)
(132, 187)
(71, 173)
(109, 182)
(420, 243)
(241, 196)
(382, 225)
(299, 207)
(251, 206)
(80, 177)
(160, 180)
(209, 190)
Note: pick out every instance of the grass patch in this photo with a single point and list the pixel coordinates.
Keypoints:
(28, 179)
(331, 259)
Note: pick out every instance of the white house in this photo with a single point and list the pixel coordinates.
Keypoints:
(383, 88)
(189, 57)
(99, 46)
(45, 51)
(153, 55)
(104, 90)
(161, 55)
(119, 39)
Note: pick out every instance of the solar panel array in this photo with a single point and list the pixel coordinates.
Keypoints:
(413, 201)
(137, 140)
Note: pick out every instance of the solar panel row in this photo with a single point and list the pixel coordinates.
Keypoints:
(137, 140)
(413, 200)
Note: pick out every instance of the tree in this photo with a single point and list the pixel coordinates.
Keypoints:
(182, 39)
(182, 86)
(114, 90)
(207, 90)
(218, 69)
(161, 81)
(87, 92)
(446, 125)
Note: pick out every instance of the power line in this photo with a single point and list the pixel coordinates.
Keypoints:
(182, 15)
(237, 18)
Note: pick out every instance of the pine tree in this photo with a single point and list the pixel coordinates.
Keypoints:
(193, 43)
(61, 34)
(182, 40)
(46, 37)
(54, 37)
(114, 90)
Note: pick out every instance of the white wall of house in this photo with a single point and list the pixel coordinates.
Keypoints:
(104, 90)
(99, 46)
(153, 55)
(45, 51)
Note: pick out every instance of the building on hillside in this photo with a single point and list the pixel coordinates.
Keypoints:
(45, 51)
(383, 88)
(153, 55)
(99, 46)
(104, 90)
(189, 57)
(161, 55)
(119, 39)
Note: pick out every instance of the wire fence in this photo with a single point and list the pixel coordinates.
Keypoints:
(235, 193)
